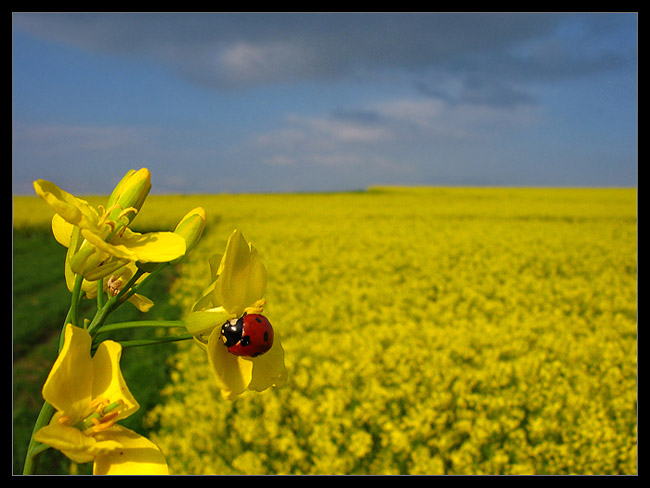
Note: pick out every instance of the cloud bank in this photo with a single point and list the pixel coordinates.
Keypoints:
(489, 55)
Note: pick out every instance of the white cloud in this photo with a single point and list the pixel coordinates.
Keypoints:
(320, 141)
(345, 131)
(438, 119)
(259, 62)
(327, 142)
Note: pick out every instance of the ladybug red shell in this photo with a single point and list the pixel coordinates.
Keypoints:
(250, 335)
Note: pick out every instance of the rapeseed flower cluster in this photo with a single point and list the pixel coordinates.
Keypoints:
(427, 331)
(85, 394)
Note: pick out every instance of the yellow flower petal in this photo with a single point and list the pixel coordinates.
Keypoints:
(74, 210)
(269, 369)
(157, 247)
(69, 236)
(70, 275)
(109, 382)
(215, 263)
(142, 303)
(242, 276)
(152, 247)
(236, 374)
(136, 456)
(69, 385)
(233, 374)
(65, 438)
(62, 230)
(76, 445)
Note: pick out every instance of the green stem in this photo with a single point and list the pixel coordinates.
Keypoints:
(141, 323)
(111, 304)
(101, 315)
(100, 294)
(134, 289)
(39, 449)
(125, 293)
(73, 315)
(152, 342)
(35, 448)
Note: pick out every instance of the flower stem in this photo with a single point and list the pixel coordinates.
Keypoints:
(141, 323)
(129, 291)
(73, 315)
(111, 304)
(160, 340)
(100, 293)
(35, 448)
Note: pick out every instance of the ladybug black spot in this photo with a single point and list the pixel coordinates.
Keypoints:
(259, 320)
(245, 341)
(266, 336)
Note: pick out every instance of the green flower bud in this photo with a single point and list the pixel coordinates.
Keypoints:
(130, 193)
(191, 228)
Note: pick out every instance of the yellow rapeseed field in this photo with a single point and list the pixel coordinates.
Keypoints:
(426, 331)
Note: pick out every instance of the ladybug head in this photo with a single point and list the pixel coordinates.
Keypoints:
(231, 331)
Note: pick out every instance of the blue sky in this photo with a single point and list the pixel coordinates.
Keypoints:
(275, 102)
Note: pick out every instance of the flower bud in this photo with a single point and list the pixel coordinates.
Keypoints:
(92, 263)
(191, 228)
(130, 192)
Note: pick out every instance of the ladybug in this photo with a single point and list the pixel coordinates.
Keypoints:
(249, 335)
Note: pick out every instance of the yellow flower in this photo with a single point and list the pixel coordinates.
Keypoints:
(239, 282)
(99, 241)
(90, 396)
